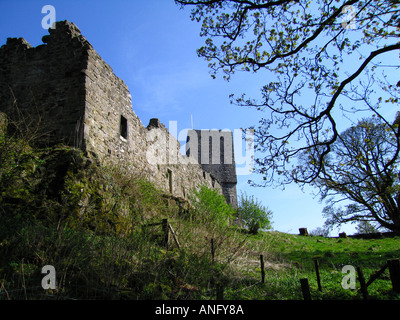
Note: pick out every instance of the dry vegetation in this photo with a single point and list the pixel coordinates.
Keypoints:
(59, 207)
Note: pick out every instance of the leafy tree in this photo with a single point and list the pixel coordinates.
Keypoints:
(318, 56)
(253, 214)
(365, 227)
(363, 171)
(210, 207)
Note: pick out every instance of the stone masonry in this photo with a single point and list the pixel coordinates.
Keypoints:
(213, 149)
(73, 97)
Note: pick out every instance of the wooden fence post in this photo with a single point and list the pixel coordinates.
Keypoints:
(220, 291)
(394, 270)
(376, 275)
(317, 272)
(165, 230)
(305, 288)
(362, 283)
(212, 251)
(174, 236)
(262, 269)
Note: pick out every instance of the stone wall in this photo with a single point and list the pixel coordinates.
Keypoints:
(214, 150)
(80, 101)
(177, 173)
(116, 134)
(43, 87)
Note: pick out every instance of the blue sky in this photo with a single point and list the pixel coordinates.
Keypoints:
(151, 45)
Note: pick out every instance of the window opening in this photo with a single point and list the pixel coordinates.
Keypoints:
(169, 174)
(123, 129)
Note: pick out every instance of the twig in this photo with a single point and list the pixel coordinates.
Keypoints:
(23, 279)
(2, 286)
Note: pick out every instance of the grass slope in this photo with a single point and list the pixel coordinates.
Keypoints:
(59, 207)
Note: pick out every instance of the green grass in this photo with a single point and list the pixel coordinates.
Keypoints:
(137, 267)
(294, 257)
(60, 208)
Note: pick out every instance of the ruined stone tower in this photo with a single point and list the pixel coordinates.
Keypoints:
(73, 97)
(213, 149)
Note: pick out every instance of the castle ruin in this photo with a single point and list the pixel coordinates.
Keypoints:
(66, 88)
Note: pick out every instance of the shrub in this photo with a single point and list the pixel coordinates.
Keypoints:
(210, 207)
(253, 214)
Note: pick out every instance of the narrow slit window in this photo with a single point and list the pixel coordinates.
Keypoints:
(123, 129)
(210, 151)
(169, 175)
(221, 151)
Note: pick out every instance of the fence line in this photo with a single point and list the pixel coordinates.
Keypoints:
(394, 271)
(166, 229)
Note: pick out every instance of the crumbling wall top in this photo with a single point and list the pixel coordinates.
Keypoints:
(155, 123)
(64, 30)
(18, 42)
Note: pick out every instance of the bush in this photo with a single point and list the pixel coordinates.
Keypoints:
(210, 207)
(253, 214)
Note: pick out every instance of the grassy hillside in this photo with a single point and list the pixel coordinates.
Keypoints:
(59, 207)
(332, 254)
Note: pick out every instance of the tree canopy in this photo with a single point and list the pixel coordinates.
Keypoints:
(363, 171)
(325, 61)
